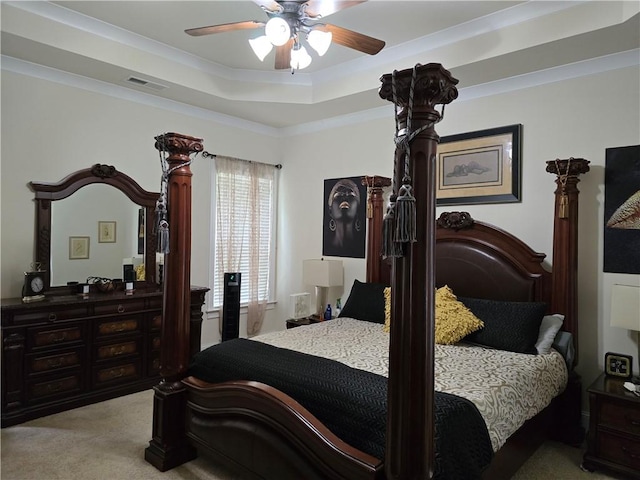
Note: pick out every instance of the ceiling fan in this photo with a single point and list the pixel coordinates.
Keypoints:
(292, 21)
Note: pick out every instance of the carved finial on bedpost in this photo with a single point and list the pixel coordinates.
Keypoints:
(409, 445)
(564, 296)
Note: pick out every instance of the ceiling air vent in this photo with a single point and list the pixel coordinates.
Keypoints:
(145, 83)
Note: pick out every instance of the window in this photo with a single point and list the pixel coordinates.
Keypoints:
(244, 224)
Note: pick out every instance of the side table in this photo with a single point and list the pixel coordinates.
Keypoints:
(613, 440)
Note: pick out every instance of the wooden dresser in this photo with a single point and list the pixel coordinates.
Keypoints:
(67, 351)
(614, 428)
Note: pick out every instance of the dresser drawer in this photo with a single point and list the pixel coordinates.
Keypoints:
(108, 376)
(619, 415)
(54, 362)
(49, 315)
(619, 450)
(154, 364)
(156, 323)
(109, 327)
(117, 350)
(119, 308)
(156, 302)
(44, 390)
(55, 335)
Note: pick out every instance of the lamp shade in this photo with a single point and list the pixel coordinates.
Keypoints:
(625, 306)
(261, 46)
(300, 58)
(319, 41)
(322, 273)
(277, 31)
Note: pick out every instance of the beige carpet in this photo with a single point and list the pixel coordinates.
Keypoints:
(106, 441)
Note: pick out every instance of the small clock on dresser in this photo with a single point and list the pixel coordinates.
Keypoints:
(33, 288)
(618, 365)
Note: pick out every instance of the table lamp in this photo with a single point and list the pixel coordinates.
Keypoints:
(625, 311)
(322, 274)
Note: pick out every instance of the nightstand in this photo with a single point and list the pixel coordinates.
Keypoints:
(613, 440)
(298, 322)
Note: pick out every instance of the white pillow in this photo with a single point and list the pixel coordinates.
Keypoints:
(549, 327)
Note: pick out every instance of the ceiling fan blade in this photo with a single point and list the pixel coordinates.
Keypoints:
(349, 38)
(322, 8)
(283, 56)
(224, 27)
(268, 5)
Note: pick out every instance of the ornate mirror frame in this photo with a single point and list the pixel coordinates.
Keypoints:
(45, 193)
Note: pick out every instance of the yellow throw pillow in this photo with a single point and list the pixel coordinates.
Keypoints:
(387, 309)
(454, 320)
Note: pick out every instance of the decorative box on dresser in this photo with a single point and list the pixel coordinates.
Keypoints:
(67, 351)
(613, 441)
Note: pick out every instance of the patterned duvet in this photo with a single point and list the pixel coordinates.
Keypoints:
(508, 388)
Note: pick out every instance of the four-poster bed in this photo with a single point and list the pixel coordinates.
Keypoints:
(265, 433)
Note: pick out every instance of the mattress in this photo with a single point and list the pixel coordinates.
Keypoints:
(507, 388)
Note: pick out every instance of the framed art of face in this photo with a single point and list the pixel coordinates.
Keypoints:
(344, 223)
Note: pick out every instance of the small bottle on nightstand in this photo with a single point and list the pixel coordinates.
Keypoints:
(327, 312)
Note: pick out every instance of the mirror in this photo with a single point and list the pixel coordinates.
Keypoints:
(100, 217)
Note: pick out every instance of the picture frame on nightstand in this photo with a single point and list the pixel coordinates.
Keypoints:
(618, 365)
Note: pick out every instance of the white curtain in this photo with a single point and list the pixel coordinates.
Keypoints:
(240, 213)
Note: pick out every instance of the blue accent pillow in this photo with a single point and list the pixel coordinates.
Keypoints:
(510, 326)
(365, 302)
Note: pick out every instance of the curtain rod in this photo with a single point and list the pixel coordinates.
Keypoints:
(206, 154)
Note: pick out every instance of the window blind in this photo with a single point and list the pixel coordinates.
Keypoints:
(237, 194)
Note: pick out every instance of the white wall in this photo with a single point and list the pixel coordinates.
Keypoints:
(50, 130)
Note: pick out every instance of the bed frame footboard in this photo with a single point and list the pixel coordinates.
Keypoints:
(260, 432)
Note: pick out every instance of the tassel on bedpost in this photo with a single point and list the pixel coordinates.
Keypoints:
(390, 248)
(405, 213)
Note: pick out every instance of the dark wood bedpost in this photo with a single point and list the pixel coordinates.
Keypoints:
(564, 296)
(410, 445)
(168, 447)
(378, 269)
(564, 287)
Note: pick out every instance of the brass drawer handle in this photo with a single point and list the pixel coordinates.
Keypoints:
(116, 373)
(117, 350)
(629, 453)
(57, 339)
(53, 317)
(54, 387)
(632, 421)
(120, 309)
(55, 364)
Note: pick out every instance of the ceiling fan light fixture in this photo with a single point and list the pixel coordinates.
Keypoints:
(300, 58)
(261, 46)
(277, 31)
(319, 41)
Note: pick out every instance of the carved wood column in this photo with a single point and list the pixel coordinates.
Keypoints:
(377, 268)
(409, 445)
(168, 447)
(564, 297)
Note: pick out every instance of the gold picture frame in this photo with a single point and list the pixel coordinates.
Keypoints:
(78, 248)
(106, 232)
(479, 167)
